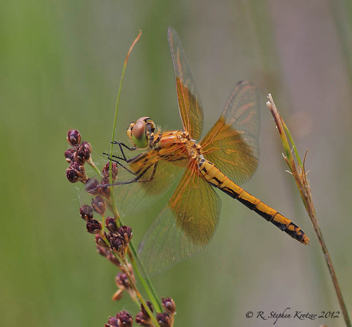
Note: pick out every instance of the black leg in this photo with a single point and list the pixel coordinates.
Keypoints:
(138, 177)
(123, 158)
(125, 146)
(115, 159)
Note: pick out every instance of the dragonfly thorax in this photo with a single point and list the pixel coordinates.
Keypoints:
(193, 148)
(179, 141)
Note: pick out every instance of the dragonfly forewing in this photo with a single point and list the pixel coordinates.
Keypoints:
(232, 143)
(189, 103)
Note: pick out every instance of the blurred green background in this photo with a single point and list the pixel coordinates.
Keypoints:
(60, 66)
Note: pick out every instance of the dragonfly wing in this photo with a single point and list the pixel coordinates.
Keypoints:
(232, 143)
(134, 197)
(189, 103)
(185, 225)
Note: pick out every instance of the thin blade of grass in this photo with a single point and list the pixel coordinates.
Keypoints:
(145, 282)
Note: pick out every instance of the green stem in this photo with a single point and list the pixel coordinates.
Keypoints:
(91, 163)
(130, 278)
(154, 299)
(145, 281)
(293, 144)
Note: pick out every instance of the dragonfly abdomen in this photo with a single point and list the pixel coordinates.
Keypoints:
(216, 178)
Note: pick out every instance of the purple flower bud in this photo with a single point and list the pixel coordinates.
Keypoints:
(106, 170)
(83, 152)
(112, 322)
(86, 212)
(102, 251)
(104, 188)
(169, 305)
(101, 242)
(72, 175)
(92, 186)
(117, 244)
(76, 173)
(144, 311)
(164, 319)
(125, 318)
(126, 233)
(113, 259)
(99, 205)
(110, 223)
(69, 155)
(87, 146)
(73, 137)
(143, 321)
(122, 280)
(94, 226)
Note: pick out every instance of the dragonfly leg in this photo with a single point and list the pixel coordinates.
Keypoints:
(123, 158)
(153, 173)
(138, 179)
(116, 159)
(125, 146)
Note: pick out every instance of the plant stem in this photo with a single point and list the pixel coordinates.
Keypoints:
(134, 257)
(300, 175)
(92, 164)
(146, 282)
(130, 278)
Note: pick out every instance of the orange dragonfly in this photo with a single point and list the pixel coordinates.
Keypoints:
(226, 156)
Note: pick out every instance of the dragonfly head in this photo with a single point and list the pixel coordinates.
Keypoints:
(141, 133)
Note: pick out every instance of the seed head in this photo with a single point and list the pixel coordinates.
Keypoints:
(76, 173)
(106, 170)
(72, 175)
(102, 251)
(86, 212)
(145, 313)
(125, 319)
(117, 295)
(164, 319)
(113, 259)
(112, 322)
(142, 321)
(108, 255)
(83, 152)
(117, 244)
(143, 318)
(110, 223)
(94, 226)
(104, 188)
(125, 233)
(99, 205)
(101, 242)
(122, 281)
(69, 155)
(92, 186)
(169, 305)
(73, 137)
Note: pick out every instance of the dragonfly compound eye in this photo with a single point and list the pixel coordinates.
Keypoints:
(138, 134)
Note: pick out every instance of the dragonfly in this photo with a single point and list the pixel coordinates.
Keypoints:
(224, 158)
